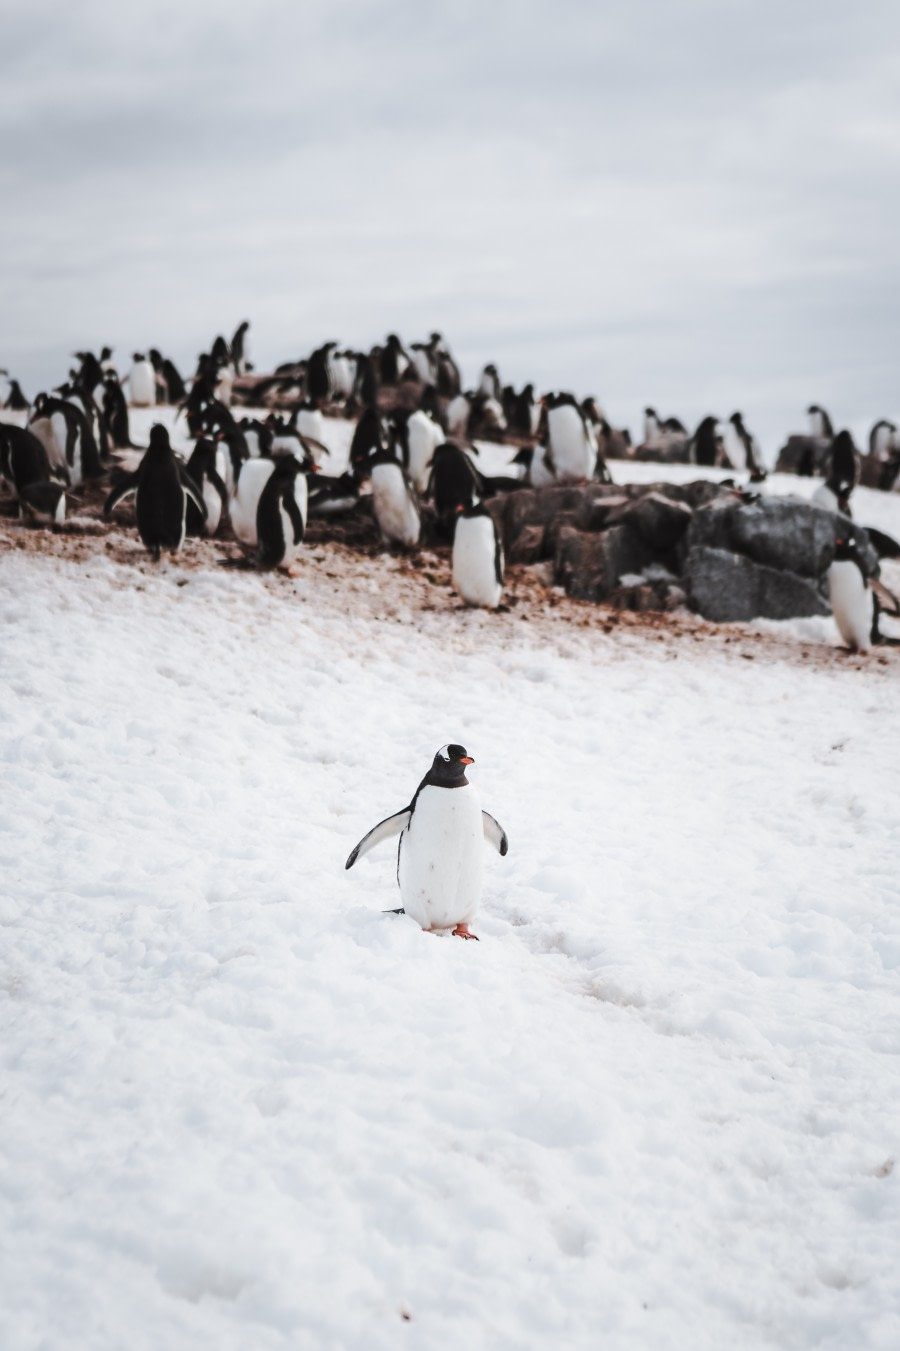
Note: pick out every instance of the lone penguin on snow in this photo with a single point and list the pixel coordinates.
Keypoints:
(161, 486)
(440, 857)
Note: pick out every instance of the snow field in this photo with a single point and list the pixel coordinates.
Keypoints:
(656, 1106)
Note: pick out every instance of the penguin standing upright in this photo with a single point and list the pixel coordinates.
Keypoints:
(281, 514)
(115, 412)
(748, 442)
(394, 501)
(454, 484)
(819, 423)
(883, 440)
(203, 468)
(423, 436)
(240, 348)
(251, 477)
(852, 599)
(66, 435)
(477, 565)
(572, 448)
(141, 382)
(706, 445)
(161, 485)
(442, 834)
(843, 469)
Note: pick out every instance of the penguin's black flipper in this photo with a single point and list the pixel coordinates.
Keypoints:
(883, 544)
(878, 638)
(192, 490)
(886, 601)
(219, 487)
(295, 514)
(120, 492)
(495, 834)
(391, 825)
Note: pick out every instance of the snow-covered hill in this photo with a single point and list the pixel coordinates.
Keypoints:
(655, 1107)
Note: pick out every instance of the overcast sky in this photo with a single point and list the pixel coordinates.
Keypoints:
(692, 203)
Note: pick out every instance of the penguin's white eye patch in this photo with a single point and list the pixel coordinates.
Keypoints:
(444, 753)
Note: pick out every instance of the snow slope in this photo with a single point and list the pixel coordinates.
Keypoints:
(655, 1107)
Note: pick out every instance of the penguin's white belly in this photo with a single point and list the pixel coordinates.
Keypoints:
(423, 367)
(541, 474)
(569, 445)
(824, 497)
(458, 411)
(474, 562)
(245, 499)
(142, 385)
(311, 423)
(851, 604)
(213, 507)
(288, 443)
(51, 432)
(424, 437)
(395, 508)
(442, 858)
(224, 385)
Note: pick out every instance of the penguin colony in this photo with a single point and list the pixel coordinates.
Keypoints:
(414, 467)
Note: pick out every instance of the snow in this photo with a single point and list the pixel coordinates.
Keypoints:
(655, 1107)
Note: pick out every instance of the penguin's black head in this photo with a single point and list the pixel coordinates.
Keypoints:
(845, 549)
(449, 765)
(736, 418)
(159, 437)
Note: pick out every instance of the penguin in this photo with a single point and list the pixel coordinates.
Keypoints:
(660, 430)
(115, 412)
(251, 478)
(394, 361)
(365, 383)
(489, 384)
(162, 486)
(170, 387)
(281, 514)
(750, 447)
(430, 404)
(459, 410)
(852, 598)
(486, 416)
(15, 400)
(23, 458)
(90, 373)
(342, 370)
(569, 440)
(423, 436)
(394, 501)
(706, 444)
(449, 380)
(422, 363)
(477, 564)
(440, 855)
(257, 436)
(333, 496)
(308, 420)
(240, 347)
(42, 503)
(234, 448)
(203, 468)
(67, 438)
(318, 375)
(834, 493)
(369, 436)
(883, 440)
(819, 423)
(454, 484)
(141, 382)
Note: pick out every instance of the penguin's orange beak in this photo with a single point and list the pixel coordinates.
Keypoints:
(466, 760)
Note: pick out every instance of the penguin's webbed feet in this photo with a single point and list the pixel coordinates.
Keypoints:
(463, 931)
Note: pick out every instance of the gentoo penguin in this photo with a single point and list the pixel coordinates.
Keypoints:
(15, 400)
(67, 438)
(23, 458)
(318, 375)
(42, 503)
(308, 420)
(852, 599)
(459, 410)
(449, 381)
(251, 478)
(257, 435)
(170, 387)
(440, 857)
(658, 429)
(365, 383)
(369, 436)
(454, 484)
(834, 493)
(203, 468)
(883, 440)
(422, 362)
(706, 444)
(489, 384)
(819, 423)
(394, 361)
(394, 501)
(161, 485)
(281, 514)
(240, 347)
(477, 567)
(571, 445)
(141, 382)
(423, 436)
(115, 412)
(333, 496)
(751, 450)
(430, 403)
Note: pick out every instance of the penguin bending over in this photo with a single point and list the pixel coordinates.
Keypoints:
(477, 567)
(440, 856)
(162, 486)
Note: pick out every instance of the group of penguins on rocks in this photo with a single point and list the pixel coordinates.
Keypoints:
(413, 463)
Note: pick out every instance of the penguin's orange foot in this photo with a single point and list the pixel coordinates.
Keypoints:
(462, 931)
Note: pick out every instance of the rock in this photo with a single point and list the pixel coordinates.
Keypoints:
(711, 524)
(783, 532)
(803, 455)
(659, 520)
(673, 450)
(528, 547)
(589, 565)
(727, 587)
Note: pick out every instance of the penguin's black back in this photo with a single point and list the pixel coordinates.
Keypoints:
(455, 483)
(23, 459)
(160, 504)
(279, 489)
